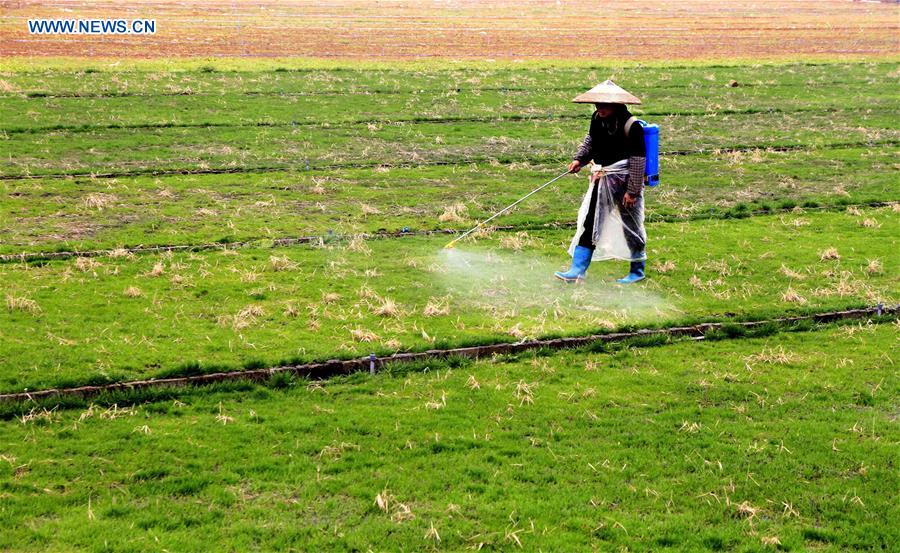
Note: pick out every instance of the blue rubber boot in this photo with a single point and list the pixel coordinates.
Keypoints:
(581, 260)
(635, 274)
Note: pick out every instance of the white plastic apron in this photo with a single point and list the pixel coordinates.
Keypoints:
(609, 230)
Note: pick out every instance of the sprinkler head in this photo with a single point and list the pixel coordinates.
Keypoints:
(450, 246)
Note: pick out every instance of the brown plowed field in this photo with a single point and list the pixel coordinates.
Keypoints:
(501, 29)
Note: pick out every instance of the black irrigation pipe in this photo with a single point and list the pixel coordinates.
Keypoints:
(412, 120)
(337, 367)
(436, 163)
(321, 240)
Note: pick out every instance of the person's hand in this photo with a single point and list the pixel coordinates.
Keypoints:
(575, 166)
(629, 200)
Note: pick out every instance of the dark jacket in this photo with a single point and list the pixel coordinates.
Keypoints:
(606, 144)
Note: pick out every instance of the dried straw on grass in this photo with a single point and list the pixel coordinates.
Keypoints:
(317, 187)
(387, 308)
(363, 335)
(790, 273)
(366, 293)
(367, 209)
(99, 201)
(432, 534)
(437, 307)
(133, 292)
(454, 213)
(746, 510)
(358, 244)
(517, 241)
(874, 267)
(281, 263)
(524, 393)
(181, 281)
(772, 356)
(85, 264)
(516, 331)
(665, 267)
(791, 296)
(18, 303)
(291, 311)
(387, 503)
(247, 316)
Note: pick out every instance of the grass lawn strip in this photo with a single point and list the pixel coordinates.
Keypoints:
(174, 149)
(55, 99)
(87, 214)
(134, 391)
(445, 123)
(786, 441)
(127, 317)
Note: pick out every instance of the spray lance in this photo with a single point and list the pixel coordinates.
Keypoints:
(453, 242)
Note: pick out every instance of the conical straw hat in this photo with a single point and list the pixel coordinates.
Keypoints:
(606, 92)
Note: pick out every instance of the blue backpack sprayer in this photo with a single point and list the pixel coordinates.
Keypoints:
(651, 142)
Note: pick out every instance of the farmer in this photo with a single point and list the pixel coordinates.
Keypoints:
(611, 217)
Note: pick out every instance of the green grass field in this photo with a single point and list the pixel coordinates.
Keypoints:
(787, 442)
(779, 197)
(161, 314)
(478, 137)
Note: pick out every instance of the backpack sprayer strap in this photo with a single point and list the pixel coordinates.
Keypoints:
(628, 123)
